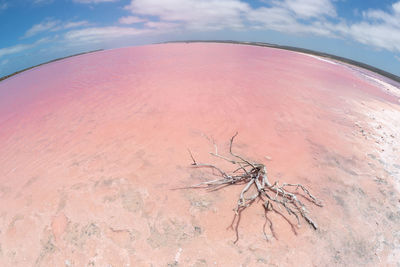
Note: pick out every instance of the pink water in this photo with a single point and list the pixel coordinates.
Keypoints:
(91, 146)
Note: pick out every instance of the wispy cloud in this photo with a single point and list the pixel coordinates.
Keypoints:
(160, 25)
(284, 20)
(14, 49)
(41, 27)
(100, 34)
(193, 14)
(375, 27)
(75, 24)
(172, 14)
(130, 20)
(50, 25)
(20, 47)
(299, 16)
(308, 8)
(378, 28)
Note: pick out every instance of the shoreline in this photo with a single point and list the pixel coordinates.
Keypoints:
(373, 69)
(47, 62)
(302, 50)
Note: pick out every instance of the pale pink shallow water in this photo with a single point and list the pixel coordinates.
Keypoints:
(92, 145)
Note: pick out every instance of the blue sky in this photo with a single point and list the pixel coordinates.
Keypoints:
(35, 31)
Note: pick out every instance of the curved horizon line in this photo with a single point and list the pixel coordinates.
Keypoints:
(379, 71)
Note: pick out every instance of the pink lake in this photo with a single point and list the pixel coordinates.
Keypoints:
(92, 145)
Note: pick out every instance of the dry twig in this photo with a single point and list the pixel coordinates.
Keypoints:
(272, 195)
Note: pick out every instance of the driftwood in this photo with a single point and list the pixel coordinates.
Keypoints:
(272, 195)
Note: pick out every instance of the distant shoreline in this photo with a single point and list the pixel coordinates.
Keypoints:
(302, 50)
(47, 62)
(261, 44)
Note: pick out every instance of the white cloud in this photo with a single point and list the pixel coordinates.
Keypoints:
(100, 34)
(283, 20)
(20, 47)
(93, 1)
(317, 17)
(50, 25)
(309, 8)
(14, 49)
(294, 16)
(75, 24)
(375, 27)
(378, 28)
(378, 35)
(194, 14)
(159, 25)
(376, 15)
(286, 15)
(131, 20)
(41, 27)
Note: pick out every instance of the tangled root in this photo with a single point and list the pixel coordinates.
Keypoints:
(272, 195)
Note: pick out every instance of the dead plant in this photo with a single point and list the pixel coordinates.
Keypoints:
(275, 197)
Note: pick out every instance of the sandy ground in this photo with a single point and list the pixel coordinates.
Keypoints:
(91, 147)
